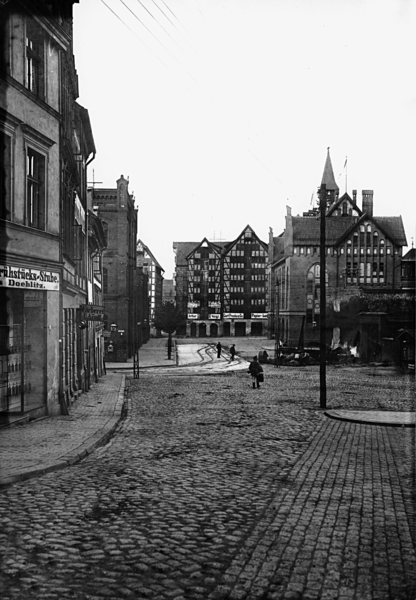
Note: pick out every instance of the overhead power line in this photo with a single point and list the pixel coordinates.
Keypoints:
(225, 125)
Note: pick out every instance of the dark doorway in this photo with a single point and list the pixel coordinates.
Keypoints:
(227, 329)
(257, 329)
(240, 329)
(213, 330)
(193, 330)
(202, 330)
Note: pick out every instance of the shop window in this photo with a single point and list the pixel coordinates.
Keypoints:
(35, 60)
(35, 191)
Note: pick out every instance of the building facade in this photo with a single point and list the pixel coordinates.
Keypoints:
(36, 41)
(116, 208)
(222, 288)
(147, 262)
(363, 256)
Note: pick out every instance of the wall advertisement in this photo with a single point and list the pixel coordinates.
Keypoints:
(29, 279)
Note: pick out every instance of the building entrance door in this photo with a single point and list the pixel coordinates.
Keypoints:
(240, 329)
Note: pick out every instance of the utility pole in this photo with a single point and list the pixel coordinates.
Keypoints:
(277, 326)
(322, 193)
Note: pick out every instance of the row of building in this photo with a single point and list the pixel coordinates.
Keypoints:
(74, 280)
(77, 288)
(271, 288)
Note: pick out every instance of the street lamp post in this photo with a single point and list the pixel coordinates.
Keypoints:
(322, 193)
(136, 361)
(277, 327)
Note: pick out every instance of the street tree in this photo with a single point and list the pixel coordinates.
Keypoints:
(168, 319)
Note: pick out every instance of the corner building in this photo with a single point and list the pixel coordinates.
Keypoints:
(33, 39)
(363, 255)
(221, 287)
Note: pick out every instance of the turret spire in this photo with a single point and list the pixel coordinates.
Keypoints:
(328, 177)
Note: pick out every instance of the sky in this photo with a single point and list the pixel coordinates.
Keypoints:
(220, 112)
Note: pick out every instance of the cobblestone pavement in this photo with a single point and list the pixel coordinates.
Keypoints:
(210, 489)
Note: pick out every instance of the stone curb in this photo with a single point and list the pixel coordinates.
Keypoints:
(332, 414)
(74, 456)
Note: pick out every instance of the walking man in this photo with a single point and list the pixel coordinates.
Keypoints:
(232, 352)
(219, 348)
(256, 371)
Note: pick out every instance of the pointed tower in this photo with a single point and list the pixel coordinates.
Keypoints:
(329, 180)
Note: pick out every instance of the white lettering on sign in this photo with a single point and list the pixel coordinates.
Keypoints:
(214, 316)
(21, 277)
(192, 316)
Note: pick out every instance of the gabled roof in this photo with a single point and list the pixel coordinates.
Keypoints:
(229, 245)
(344, 197)
(150, 253)
(306, 230)
(328, 177)
(182, 249)
(393, 228)
(411, 255)
(203, 243)
(278, 248)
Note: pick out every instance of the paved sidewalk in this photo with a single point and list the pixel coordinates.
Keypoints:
(53, 443)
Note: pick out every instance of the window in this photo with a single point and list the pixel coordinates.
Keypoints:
(105, 280)
(35, 60)
(5, 176)
(35, 192)
(313, 294)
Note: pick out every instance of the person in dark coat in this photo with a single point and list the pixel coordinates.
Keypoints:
(232, 352)
(219, 348)
(256, 371)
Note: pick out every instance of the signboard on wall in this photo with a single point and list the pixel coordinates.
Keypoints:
(192, 316)
(214, 316)
(233, 315)
(259, 315)
(29, 279)
(92, 312)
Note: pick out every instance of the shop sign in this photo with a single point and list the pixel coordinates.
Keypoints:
(192, 316)
(29, 279)
(233, 315)
(92, 312)
(258, 315)
(214, 316)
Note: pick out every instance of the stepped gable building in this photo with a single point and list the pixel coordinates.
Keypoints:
(363, 254)
(115, 206)
(221, 288)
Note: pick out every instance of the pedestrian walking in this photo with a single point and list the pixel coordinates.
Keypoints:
(256, 371)
(219, 348)
(232, 352)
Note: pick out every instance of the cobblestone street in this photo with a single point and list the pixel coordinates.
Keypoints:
(210, 489)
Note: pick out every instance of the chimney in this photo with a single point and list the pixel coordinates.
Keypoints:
(354, 196)
(368, 202)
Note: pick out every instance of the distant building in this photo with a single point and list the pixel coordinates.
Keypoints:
(147, 261)
(169, 291)
(363, 257)
(221, 288)
(117, 209)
